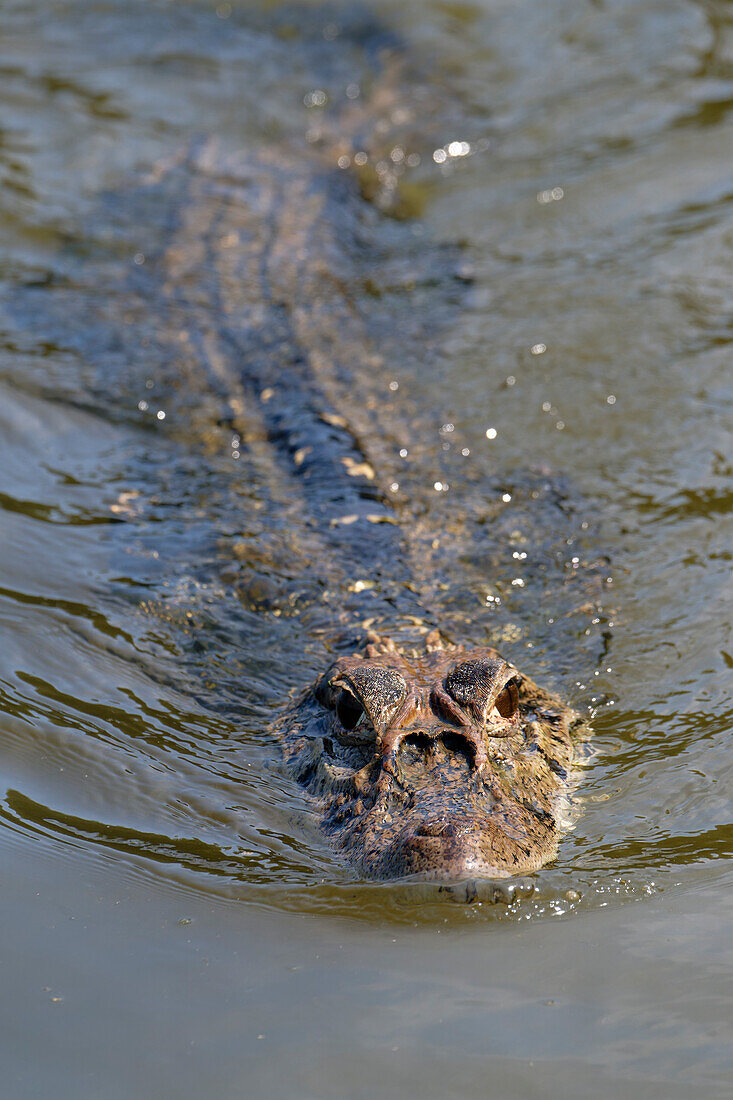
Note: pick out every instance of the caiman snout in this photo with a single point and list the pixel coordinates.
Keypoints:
(442, 848)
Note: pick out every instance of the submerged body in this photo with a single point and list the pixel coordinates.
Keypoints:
(425, 757)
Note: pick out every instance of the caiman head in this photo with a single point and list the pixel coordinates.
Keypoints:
(445, 763)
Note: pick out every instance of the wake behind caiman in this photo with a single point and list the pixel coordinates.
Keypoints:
(425, 751)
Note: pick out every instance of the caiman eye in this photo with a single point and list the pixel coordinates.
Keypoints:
(364, 697)
(507, 701)
(478, 687)
(348, 709)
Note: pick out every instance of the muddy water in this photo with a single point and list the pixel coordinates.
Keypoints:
(172, 922)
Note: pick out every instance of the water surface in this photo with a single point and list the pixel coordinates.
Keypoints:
(560, 277)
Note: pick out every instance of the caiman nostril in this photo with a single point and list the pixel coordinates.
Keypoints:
(460, 743)
(418, 740)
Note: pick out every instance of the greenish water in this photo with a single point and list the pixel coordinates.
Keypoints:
(172, 921)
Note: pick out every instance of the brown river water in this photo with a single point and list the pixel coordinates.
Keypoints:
(554, 302)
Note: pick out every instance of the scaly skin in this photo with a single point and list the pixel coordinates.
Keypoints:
(446, 763)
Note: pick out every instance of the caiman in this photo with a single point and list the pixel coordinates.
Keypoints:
(424, 756)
